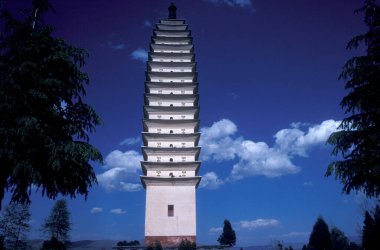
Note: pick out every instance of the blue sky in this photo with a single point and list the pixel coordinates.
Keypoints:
(269, 98)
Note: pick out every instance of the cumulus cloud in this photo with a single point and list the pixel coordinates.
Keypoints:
(308, 183)
(220, 143)
(210, 180)
(118, 211)
(233, 3)
(120, 166)
(215, 230)
(131, 141)
(259, 223)
(296, 234)
(140, 55)
(96, 210)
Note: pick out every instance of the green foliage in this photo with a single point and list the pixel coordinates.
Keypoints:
(44, 123)
(14, 226)
(320, 238)
(58, 225)
(228, 236)
(187, 245)
(358, 142)
(339, 241)
(53, 244)
(156, 246)
(371, 230)
(126, 243)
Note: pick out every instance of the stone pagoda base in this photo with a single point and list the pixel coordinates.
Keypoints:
(168, 241)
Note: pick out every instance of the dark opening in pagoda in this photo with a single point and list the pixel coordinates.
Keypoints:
(172, 11)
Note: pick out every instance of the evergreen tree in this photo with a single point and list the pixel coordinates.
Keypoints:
(339, 241)
(58, 225)
(320, 238)
(371, 230)
(358, 142)
(187, 245)
(368, 229)
(14, 226)
(44, 123)
(228, 236)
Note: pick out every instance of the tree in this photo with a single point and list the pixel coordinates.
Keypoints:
(58, 225)
(14, 226)
(228, 236)
(187, 245)
(320, 237)
(53, 244)
(358, 141)
(371, 230)
(44, 125)
(339, 241)
(368, 229)
(156, 246)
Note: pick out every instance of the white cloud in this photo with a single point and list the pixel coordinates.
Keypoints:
(259, 223)
(219, 143)
(121, 166)
(140, 55)
(130, 187)
(129, 160)
(147, 23)
(296, 234)
(233, 3)
(96, 210)
(216, 141)
(215, 230)
(131, 141)
(308, 183)
(296, 142)
(118, 211)
(210, 180)
(117, 46)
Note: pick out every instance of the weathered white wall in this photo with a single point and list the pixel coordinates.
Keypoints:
(170, 60)
(182, 69)
(156, 91)
(160, 173)
(175, 117)
(157, 222)
(174, 103)
(176, 158)
(175, 144)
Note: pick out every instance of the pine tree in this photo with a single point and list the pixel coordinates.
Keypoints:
(358, 142)
(228, 236)
(339, 241)
(368, 228)
(58, 225)
(320, 238)
(44, 123)
(14, 226)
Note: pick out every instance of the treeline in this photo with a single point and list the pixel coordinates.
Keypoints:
(15, 226)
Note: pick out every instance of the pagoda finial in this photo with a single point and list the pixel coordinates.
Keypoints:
(172, 11)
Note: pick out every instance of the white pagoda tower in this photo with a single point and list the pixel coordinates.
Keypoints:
(170, 135)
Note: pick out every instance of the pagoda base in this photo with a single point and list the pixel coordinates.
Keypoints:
(168, 240)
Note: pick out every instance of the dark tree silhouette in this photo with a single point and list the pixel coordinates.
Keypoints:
(228, 236)
(358, 142)
(320, 238)
(58, 225)
(339, 240)
(187, 245)
(14, 226)
(44, 123)
(371, 230)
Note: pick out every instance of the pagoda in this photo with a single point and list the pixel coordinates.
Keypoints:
(170, 134)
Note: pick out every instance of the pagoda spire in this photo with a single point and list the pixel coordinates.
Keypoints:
(172, 11)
